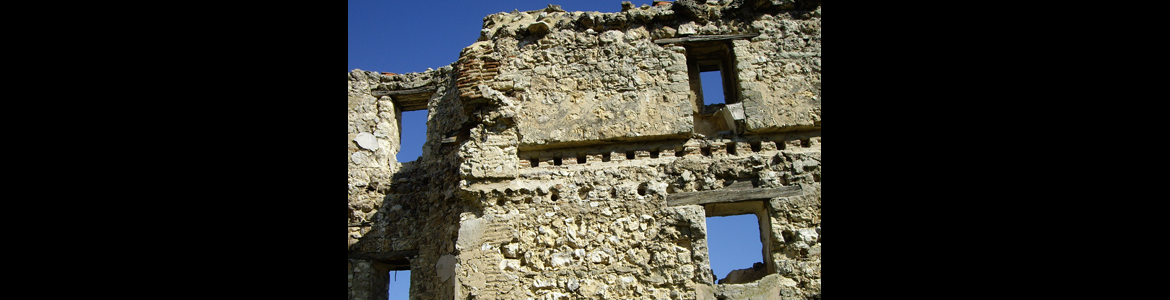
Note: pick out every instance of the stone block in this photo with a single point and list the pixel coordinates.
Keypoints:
(792, 144)
(617, 156)
(546, 160)
(767, 146)
(718, 149)
(743, 149)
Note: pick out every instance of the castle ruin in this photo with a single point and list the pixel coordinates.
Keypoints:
(571, 155)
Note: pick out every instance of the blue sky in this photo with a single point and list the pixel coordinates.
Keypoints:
(410, 36)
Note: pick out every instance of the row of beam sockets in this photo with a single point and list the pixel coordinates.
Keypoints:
(714, 150)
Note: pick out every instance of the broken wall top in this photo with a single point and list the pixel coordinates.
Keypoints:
(565, 79)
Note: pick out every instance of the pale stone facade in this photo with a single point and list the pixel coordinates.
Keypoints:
(570, 155)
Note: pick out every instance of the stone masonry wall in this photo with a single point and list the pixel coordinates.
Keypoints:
(780, 73)
(562, 159)
(374, 140)
(604, 230)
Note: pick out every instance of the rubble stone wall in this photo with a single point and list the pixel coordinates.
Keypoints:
(374, 140)
(563, 160)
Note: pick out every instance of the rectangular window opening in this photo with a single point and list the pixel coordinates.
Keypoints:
(629, 154)
(712, 82)
(412, 134)
(534, 162)
(735, 248)
(605, 157)
(557, 160)
(580, 158)
(711, 68)
(653, 153)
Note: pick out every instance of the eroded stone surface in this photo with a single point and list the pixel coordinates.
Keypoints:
(555, 141)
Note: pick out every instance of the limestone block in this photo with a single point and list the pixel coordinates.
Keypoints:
(792, 144)
(616, 156)
(547, 160)
(767, 146)
(367, 141)
(718, 150)
(743, 149)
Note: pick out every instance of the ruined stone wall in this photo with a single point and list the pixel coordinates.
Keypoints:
(374, 140)
(779, 73)
(563, 159)
(415, 220)
(606, 230)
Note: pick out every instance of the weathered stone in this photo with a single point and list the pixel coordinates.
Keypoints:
(366, 140)
(538, 28)
(500, 205)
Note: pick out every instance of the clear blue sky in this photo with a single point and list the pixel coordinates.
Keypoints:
(410, 36)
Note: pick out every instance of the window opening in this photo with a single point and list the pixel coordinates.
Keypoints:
(399, 287)
(710, 68)
(736, 250)
(712, 82)
(412, 134)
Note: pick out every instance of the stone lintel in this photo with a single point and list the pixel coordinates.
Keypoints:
(735, 193)
(409, 100)
(391, 260)
(706, 38)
